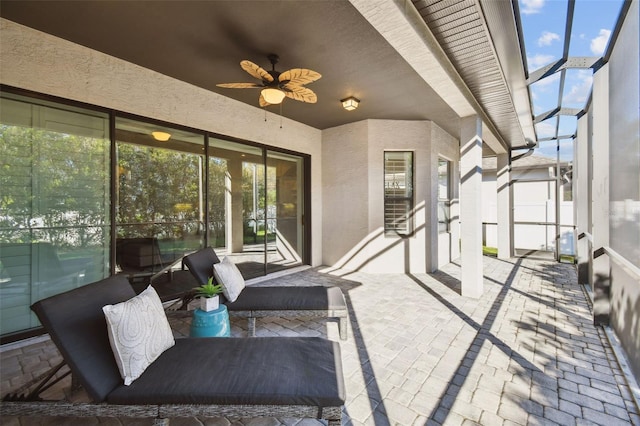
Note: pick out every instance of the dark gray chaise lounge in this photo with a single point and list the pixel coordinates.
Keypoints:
(207, 377)
(289, 301)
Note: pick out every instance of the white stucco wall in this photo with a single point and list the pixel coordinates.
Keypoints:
(391, 253)
(43, 63)
(353, 177)
(345, 189)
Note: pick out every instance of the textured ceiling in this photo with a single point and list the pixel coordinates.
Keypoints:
(203, 42)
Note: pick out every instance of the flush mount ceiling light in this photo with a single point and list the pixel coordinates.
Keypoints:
(161, 136)
(350, 103)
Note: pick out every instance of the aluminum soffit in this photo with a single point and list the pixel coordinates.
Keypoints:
(483, 47)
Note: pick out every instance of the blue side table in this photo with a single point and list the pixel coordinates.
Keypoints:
(210, 324)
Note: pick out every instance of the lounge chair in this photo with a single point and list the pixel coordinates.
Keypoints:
(286, 301)
(205, 377)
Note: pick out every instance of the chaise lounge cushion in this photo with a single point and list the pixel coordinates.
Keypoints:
(288, 298)
(201, 263)
(283, 298)
(77, 326)
(273, 371)
(233, 371)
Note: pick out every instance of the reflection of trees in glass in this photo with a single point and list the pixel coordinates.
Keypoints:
(253, 199)
(159, 192)
(217, 171)
(55, 182)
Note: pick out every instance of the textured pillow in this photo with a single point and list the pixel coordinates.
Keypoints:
(228, 275)
(138, 332)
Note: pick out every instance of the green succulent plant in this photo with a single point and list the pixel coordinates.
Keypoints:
(208, 289)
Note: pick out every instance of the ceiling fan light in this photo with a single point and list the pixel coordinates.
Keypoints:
(272, 96)
(161, 136)
(350, 103)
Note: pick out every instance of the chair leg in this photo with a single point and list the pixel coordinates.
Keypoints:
(75, 383)
(343, 328)
(252, 326)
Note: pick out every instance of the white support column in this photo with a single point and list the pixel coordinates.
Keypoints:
(233, 207)
(581, 199)
(505, 210)
(471, 205)
(600, 200)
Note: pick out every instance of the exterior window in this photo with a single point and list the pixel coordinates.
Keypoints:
(54, 216)
(398, 193)
(444, 195)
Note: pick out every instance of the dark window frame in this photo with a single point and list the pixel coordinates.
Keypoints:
(392, 201)
(445, 203)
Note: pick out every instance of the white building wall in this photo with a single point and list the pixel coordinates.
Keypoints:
(392, 253)
(532, 202)
(345, 188)
(43, 63)
(353, 172)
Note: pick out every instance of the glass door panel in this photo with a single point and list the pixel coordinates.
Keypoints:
(236, 205)
(160, 197)
(283, 227)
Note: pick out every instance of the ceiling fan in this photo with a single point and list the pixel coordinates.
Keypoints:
(276, 85)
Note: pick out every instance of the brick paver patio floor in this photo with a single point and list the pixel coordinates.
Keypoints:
(525, 353)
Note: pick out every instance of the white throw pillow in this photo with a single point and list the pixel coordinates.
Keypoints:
(139, 332)
(228, 275)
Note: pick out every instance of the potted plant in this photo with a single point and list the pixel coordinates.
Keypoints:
(208, 294)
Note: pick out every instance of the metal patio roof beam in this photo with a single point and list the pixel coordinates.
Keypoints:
(571, 5)
(560, 65)
(555, 112)
(553, 138)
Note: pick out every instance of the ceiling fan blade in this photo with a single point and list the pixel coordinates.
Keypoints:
(256, 71)
(299, 76)
(240, 85)
(300, 93)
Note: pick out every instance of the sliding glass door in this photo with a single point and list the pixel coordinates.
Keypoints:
(255, 206)
(160, 196)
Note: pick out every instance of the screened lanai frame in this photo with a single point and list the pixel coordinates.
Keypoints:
(205, 148)
(554, 119)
